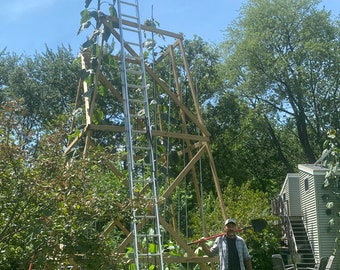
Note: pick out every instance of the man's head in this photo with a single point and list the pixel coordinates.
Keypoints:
(230, 227)
(230, 220)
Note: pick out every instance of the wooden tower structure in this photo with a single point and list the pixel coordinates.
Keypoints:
(141, 100)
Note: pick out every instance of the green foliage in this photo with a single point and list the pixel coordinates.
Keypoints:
(331, 159)
(279, 57)
(244, 204)
(51, 212)
(264, 101)
(205, 67)
(247, 142)
(95, 16)
(44, 84)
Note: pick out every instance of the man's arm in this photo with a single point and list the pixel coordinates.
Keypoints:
(248, 264)
(205, 248)
(246, 256)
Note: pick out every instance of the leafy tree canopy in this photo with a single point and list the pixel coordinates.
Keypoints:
(282, 58)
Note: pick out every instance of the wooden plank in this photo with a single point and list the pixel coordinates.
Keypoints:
(113, 90)
(185, 128)
(183, 173)
(216, 181)
(165, 88)
(178, 259)
(181, 243)
(144, 27)
(191, 85)
(166, 52)
(69, 147)
(175, 99)
(158, 133)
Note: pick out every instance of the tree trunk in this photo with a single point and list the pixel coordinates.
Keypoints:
(277, 144)
(303, 136)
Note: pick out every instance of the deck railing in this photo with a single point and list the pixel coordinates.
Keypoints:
(279, 209)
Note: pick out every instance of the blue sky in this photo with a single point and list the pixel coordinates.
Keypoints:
(28, 25)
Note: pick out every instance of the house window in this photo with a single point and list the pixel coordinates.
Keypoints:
(306, 182)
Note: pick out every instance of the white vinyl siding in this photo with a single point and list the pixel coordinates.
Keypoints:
(290, 194)
(309, 211)
(313, 209)
(295, 201)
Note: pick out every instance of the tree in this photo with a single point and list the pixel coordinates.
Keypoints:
(244, 203)
(53, 212)
(242, 144)
(205, 67)
(46, 85)
(281, 57)
(331, 159)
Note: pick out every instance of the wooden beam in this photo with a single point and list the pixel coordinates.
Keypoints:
(157, 133)
(145, 27)
(216, 181)
(69, 147)
(180, 241)
(190, 259)
(112, 224)
(191, 85)
(113, 90)
(185, 128)
(166, 52)
(185, 259)
(183, 173)
(177, 101)
(165, 88)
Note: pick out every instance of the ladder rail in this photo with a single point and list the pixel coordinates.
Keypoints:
(129, 98)
(128, 128)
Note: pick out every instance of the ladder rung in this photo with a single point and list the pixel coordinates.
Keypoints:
(131, 29)
(144, 182)
(129, 16)
(135, 72)
(144, 164)
(137, 116)
(130, 85)
(153, 217)
(147, 235)
(138, 131)
(145, 255)
(141, 148)
(134, 58)
(128, 3)
(141, 217)
(134, 100)
(144, 148)
(132, 43)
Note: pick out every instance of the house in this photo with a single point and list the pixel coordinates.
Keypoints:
(308, 218)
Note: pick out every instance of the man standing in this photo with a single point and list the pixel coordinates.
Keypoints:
(231, 248)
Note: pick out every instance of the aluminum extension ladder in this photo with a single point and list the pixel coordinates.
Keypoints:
(145, 223)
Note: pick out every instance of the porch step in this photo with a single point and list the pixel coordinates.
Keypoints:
(305, 253)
